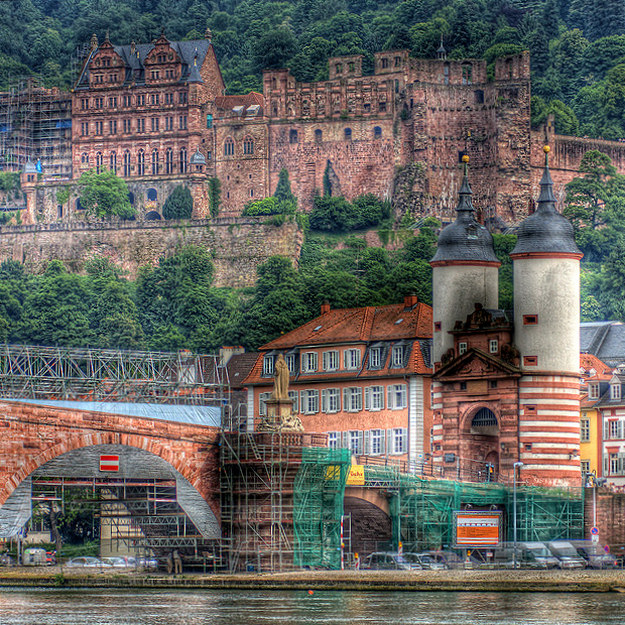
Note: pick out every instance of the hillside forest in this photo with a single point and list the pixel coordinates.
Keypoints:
(578, 74)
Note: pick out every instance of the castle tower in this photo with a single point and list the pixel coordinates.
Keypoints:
(546, 319)
(465, 271)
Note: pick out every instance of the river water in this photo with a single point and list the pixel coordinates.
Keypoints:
(179, 607)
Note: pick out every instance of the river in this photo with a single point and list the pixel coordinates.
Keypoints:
(22, 606)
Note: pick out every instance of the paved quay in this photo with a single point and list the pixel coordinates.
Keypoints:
(453, 580)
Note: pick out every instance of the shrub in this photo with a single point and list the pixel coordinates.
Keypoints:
(179, 205)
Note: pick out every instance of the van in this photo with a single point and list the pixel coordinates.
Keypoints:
(595, 555)
(534, 554)
(34, 556)
(567, 555)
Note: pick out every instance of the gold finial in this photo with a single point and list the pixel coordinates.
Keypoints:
(546, 150)
(465, 158)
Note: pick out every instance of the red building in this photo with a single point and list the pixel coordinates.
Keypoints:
(359, 375)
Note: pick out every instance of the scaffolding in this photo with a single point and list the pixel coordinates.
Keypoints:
(96, 375)
(258, 471)
(36, 125)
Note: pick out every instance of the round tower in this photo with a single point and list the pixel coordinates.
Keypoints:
(464, 271)
(546, 320)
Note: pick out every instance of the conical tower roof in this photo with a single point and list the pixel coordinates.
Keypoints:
(545, 231)
(466, 239)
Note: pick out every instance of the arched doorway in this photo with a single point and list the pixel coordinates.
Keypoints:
(369, 527)
(481, 445)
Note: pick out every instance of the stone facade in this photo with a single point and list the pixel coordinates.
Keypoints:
(239, 245)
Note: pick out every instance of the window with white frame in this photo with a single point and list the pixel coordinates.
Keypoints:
(293, 398)
(333, 440)
(354, 442)
(398, 441)
(616, 430)
(352, 358)
(310, 362)
(615, 391)
(290, 362)
(584, 435)
(330, 361)
(268, 365)
(493, 346)
(352, 399)
(593, 390)
(375, 358)
(309, 401)
(614, 464)
(462, 348)
(330, 400)
(262, 403)
(397, 356)
(376, 442)
(584, 465)
(397, 398)
(374, 398)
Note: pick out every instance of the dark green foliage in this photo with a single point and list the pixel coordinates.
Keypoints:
(269, 206)
(105, 195)
(179, 205)
(283, 188)
(214, 196)
(336, 214)
(566, 122)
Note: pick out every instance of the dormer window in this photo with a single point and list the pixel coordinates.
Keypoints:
(375, 358)
(462, 348)
(398, 356)
(493, 346)
(310, 362)
(593, 390)
(330, 360)
(352, 358)
(290, 362)
(268, 365)
(615, 391)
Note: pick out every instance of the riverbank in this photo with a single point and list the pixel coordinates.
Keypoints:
(452, 580)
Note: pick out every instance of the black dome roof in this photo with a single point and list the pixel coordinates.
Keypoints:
(545, 230)
(465, 239)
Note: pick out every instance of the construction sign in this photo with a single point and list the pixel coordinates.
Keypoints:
(356, 475)
(477, 528)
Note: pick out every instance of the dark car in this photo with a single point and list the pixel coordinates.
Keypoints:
(388, 561)
(595, 555)
(425, 561)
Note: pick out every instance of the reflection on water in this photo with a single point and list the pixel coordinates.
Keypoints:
(110, 607)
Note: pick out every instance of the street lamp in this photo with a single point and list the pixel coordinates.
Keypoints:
(517, 465)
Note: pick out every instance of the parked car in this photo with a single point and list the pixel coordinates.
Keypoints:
(529, 555)
(116, 562)
(388, 561)
(595, 555)
(425, 561)
(34, 556)
(449, 558)
(566, 554)
(86, 561)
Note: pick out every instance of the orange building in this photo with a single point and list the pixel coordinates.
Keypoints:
(359, 375)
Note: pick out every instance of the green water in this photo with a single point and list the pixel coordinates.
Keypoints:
(112, 607)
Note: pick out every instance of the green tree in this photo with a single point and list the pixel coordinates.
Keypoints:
(179, 204)
(105, 195)
(283, 191)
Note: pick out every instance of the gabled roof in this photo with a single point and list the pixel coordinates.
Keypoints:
(488, 365)
(592, 368)
(239, 367)
(360, 325)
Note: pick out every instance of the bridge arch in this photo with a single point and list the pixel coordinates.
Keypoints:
(371, 527)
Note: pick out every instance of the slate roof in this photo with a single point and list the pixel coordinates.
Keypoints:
(135, 70)
(604, 339)
(465, 239)
(239, 367)
(545, 230)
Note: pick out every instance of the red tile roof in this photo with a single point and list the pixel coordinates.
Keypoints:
(588, 362)
(356, 325)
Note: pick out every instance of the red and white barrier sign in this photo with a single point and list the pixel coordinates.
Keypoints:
(109, 463)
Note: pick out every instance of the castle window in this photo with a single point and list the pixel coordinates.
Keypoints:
(397, 61)
(228, 147)
(292, 136)
(492, 384)
(84, 129)
(382, 107)
(377, 132)
(348, 134)
(251, 192)
(384, 63)
(479, 96)
(141, 100)
(367, 107)
(113, 162)
(462, 348)
(140, 125)
(351, 66)
(182, 97)
(530, 320)
(112, 127)
(169, 161)
(463, 386)
(84, 158)
(59, 210)
(141, 163)
(152, 195)
(126, 164)
(318, 135)
(127, 126)
(99, 128)
(79, 206)
(154, 162)
(98, 162)
(113, 102)
(493, 346)
(467, 74)
(183, 160)
(274, 83)
(155, 124)
(530, 361)
(131, 198)
(338, 68)
(248, 145)
(182, 122)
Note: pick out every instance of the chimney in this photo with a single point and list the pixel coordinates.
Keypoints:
(227, 352)
(410, 301)
(325, 307)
